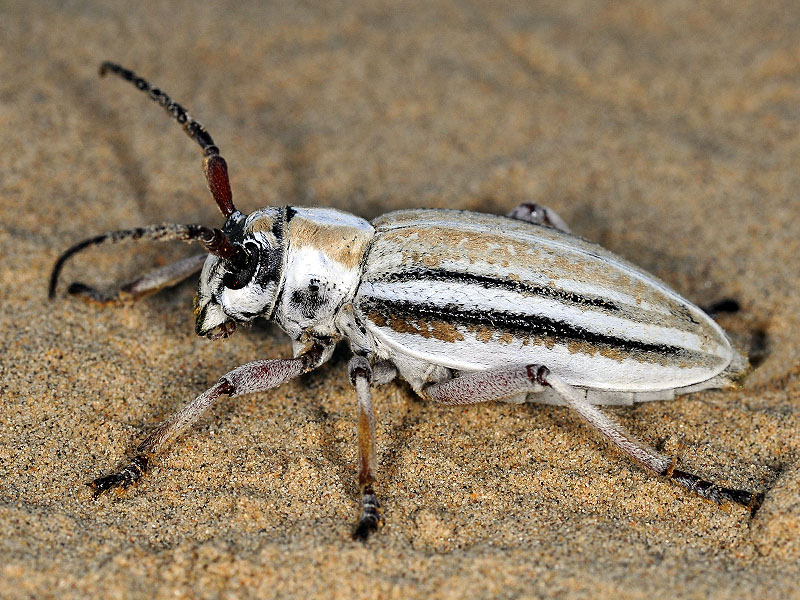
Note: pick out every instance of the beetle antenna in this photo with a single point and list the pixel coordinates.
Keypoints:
(214, 240)
(214, 166)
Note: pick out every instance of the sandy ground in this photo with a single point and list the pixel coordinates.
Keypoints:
(669, 134)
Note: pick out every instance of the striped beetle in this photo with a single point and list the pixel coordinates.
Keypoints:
(465, 307)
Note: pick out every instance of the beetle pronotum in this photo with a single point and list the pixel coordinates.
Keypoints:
(465, 307)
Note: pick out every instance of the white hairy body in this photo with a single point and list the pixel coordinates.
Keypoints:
(426, 290)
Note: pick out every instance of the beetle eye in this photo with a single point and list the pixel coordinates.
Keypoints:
(237, 279)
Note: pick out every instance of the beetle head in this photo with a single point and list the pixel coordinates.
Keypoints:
(239, 289)
(241, 275)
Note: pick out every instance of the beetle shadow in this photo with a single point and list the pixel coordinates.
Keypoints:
(399, 435)
(109, 126)
(322, 417)
(171, 308)
(324, 420)
(83, 96)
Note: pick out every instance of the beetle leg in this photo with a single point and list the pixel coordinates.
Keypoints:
(726, 305)
(539, 215)
(483, 386)
(256, 376)
(504, 382)
(361, 377)
(149, 283)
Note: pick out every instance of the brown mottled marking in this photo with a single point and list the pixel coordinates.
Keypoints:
(427, 329)
(575, 347)
(614, 353)
(377, 318)
(483, 334)
(460, 244)
(341, 243)
(263, 224)
(403, 325)
(445, 331)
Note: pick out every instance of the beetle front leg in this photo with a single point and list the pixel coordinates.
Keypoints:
(257, 376)
(149, 283)
(504, 382)
(360, 373)
(539, 215)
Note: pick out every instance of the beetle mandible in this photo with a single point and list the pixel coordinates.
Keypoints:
(465, 307)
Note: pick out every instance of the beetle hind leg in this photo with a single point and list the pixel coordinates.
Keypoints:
(648, 457)
(122, 479)
(714, 493)
(505, 382)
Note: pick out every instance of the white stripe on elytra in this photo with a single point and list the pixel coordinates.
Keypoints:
(472, 296)
(578, 369)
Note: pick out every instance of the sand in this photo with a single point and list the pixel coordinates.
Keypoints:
(667, 133)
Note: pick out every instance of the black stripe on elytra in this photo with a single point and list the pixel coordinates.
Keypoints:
(501, 283)
(518, 324)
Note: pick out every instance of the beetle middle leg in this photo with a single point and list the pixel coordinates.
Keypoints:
(257, 376)
(505, 382)
(149, 283)
(360, 373)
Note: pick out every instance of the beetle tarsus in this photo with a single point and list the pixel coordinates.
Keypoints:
(714, 493)
(122, 480)
(370, 519)
(537, 214)
(755, 502)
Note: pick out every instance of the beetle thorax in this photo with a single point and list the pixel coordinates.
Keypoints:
(324, 257)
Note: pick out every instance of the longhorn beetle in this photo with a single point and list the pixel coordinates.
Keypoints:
(465, 307)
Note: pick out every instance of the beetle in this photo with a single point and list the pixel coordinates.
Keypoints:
(465, 307)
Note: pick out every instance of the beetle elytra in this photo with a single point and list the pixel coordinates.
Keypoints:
(465, 307)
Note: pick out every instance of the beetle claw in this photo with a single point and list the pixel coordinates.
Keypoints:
(101, 485)
(367, 525)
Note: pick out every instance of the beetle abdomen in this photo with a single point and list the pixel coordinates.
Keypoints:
(471, 291)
